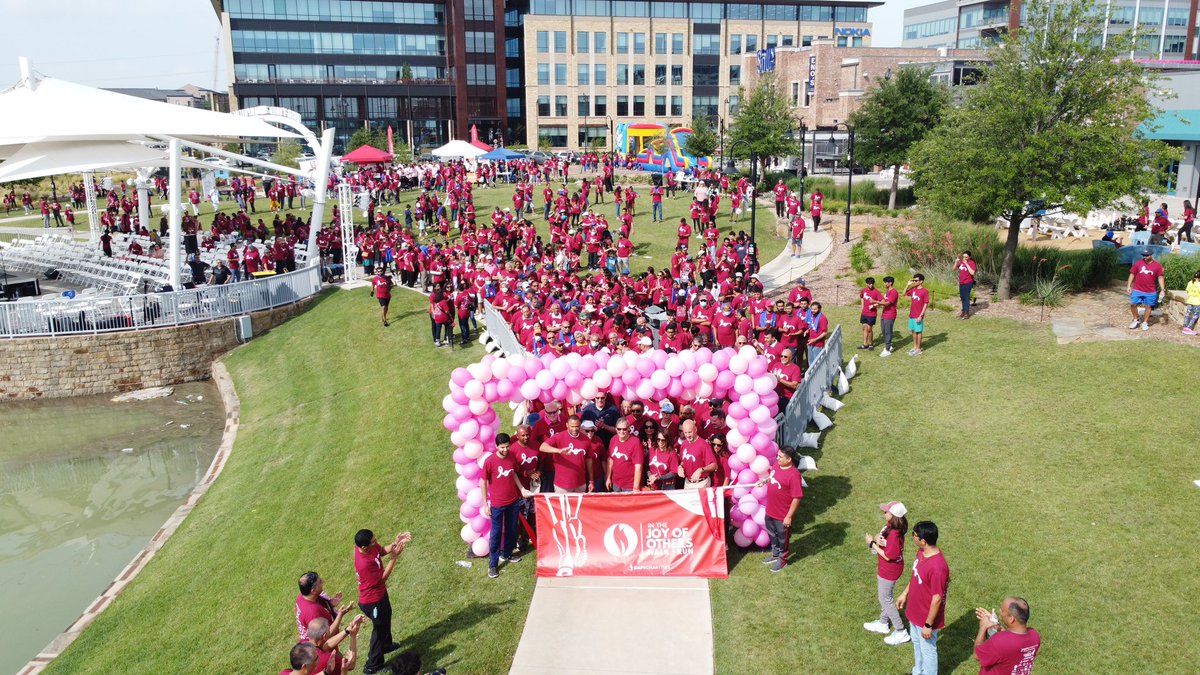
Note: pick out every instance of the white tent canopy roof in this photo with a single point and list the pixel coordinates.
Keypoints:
(46, 109)
(458, 149)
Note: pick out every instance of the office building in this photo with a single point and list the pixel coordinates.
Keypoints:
(430, 70)
(591, 64)
(1162, 29)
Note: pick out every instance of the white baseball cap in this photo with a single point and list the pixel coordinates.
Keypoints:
(895, 508)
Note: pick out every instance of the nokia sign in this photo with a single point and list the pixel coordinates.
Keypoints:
(852, 32)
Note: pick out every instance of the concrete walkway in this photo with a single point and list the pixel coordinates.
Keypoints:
(617, 625)
(786, 268)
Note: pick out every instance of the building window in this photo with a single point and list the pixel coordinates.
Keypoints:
(560, 42)
(543, 71)
(704, 107)
(706, 45)
(585, 106)
(581, 42)
(1174, 44)
(639, 106)
(582, 73)
(593, 137)
(479, 42)
(560, 73)
(851, 15)
(751, 44)
(639, 43)
(639, 74)
(772, 41)
(856, 41)
(676, 43)
(795, 93)
(660, 43)
(788, 40)
(622, 43)
(735, 43)
(601, 73)
(1121, 16)
(705, 75)
(600, 42)
(474, 10)
(630, 8)
(622, 74)
(1177, 17)
(735, 75)
(806, 41)
(816, 13)
(514, 107)
(513, 19)
(1150, 16)
(779, 13)
(512, 48)
(560, 106)
(677, 106)
(543, 106)
(660, 74)
(660, 106)
(301, 42)
(841, 41)
(543, 42)
(734, 102)
(588, 7)
(743, 12)
(601, 106)
(556, 136)
(706, 13)
(512, 78)
(481, 73)
(677, 75)
(622, 106)
(669, 10)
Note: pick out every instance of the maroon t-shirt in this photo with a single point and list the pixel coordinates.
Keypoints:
(920, 299)
(501, 476)
(368, 567)
(528, 459)
(783, 485)
(869, 297)
(893, 550)
(790, 372)
(625, 456)
(663, 463)
(307, 610)
(930, 577)
(1006, 653)
(1145, 276)
(695, 455)
(570, 466)
(890, 298)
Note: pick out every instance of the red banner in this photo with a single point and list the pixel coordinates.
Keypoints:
(675, 533)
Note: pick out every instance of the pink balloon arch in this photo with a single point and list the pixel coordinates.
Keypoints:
(740, 376)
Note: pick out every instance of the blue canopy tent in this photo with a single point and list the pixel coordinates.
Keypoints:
(501, 155)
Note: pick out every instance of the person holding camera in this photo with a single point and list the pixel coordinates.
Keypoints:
(919, 295)
(1006, 644)
(966, 282)
(888, 546)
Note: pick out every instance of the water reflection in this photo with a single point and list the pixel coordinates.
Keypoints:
(84, 484)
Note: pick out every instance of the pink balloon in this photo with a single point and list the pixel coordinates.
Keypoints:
(588, 389)
(758, 443)
(703, 355)
(467, 511)
(469, 429)
(460, 376)
(737, 517)
(737, 364)
(480, 547)
(459, 396)
(473, 389)
(460, 457)
(760, 493)
(645, 390)
(559, 391)
(481, 524)
(746, 454)
(545, 380)
(760, 466)
(721, 359)
(532, 367)
(473, 449)
(738, 538)
(750, 529)
(468, 534)
(517, 375)
(764, 385)
(464, 486)
(573, 379)
(448, 403)
(450, 422)
(736, 411)
(746, 427)
(747, 505)
(586, 367)
(760, 414)
(500, 368)
(631, 377)
(758, 367)
(707, 372)
(530, 390)
(602, 378)
(674, 366)
(475, 497)
(735, 464)
(749, 400)
(689, 380)
(660, 379)
(740, 492)
(675, 390)
(477, 406)
(746, 476)
(617, 387)
(616, 367)
(760, 516)
(725, 380)
(645, 367)
(763, 539)
(743, 384)
(559, 368)
(601, 359)
(488, 417)
(490, 389)
(487, 433)
(504, 389)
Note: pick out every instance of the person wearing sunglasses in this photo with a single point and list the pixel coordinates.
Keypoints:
(623, 472)
(663, 467)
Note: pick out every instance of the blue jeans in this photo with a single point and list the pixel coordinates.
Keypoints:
(656, 212)
(813, 352)
(925, 660)
(504, 520)
(964, 294)
(618, 204)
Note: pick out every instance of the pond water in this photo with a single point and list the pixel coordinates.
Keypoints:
(84, 484)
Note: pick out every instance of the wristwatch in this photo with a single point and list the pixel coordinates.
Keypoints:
(929, 626)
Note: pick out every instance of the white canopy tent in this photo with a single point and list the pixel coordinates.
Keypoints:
(43, 130)
(458, 150)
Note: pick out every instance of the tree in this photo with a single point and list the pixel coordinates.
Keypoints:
(704, 141)
(895, 116)
(404, 153)
(372, 136)
(1054, 122)
(762, 123)
(287, 153)
(406, 73)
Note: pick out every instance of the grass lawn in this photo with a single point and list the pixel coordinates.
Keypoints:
(1061, 474)
(341, 429)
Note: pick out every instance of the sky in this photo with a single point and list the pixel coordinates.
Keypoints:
(142, 43)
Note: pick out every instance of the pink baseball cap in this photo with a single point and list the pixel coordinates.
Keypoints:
(895, 508)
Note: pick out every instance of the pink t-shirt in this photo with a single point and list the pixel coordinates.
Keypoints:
(783, 485)
(966, 272)
(695, 455)
(893, 550)
(307, 610)
(570, 466)
(368, 567)
(930, 577)
(528, 459)
(501, 476)
(890, 298)
(625, 457)
(1008, 653)
(790, 372)
(869, 297)
(1145, 276)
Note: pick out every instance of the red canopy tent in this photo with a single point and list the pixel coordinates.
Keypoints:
(478, 143)
(367, 155)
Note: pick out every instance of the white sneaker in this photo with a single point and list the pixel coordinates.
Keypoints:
(1133, 324)
(876, 627)
(897, 638)
(1145, 326)
(885, 353)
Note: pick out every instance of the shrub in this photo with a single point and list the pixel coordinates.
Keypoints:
(1045, 292)
(860, 259)
(1179, 270)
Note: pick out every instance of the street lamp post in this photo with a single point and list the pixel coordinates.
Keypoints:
(732, 168)
(849, 178)
(803, 136)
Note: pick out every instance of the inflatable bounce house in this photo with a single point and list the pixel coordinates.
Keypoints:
(658, 149)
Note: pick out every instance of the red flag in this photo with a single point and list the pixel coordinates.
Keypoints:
(391, 148)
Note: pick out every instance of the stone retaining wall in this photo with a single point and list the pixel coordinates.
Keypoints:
(82, 365)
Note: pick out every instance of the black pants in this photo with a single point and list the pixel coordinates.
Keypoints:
(380, 614)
